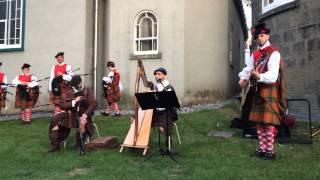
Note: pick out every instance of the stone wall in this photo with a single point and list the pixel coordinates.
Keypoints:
(295, 29)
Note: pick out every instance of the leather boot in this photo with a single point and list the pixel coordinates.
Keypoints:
(54, 138)
(54, 148)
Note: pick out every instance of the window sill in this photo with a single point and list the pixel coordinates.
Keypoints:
(11, 49)
(146, 56)
(278, 10)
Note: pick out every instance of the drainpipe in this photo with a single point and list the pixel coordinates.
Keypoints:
(95, 53)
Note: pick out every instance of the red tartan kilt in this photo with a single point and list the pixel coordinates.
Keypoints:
(21, 103)
(113, 94)
(56, 99)
(34, 94)
(267, 109)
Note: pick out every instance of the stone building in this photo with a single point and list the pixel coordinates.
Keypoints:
(200, 42)
(295, 29)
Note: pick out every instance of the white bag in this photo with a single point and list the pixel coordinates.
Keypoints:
(120, 86)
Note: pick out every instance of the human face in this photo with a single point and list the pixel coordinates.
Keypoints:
(262, 39)
(159, 76)
(25, 70)
(109, 68)
(60, 59)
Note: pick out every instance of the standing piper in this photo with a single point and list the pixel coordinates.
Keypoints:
(3, 90)
(112, 90)
(60, 76)
(25, 82)
(265, 68)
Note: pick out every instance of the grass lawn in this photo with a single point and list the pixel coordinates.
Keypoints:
(23, 153)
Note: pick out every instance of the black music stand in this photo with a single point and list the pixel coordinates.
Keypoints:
(152, 100)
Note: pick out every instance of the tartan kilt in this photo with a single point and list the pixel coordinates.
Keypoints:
(22, 103)
(56, 99)
(113, 94)
(265, 106)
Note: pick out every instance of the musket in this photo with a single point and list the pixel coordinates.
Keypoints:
(41, 105)
(48, 77)
(82, 148)
(85, 74)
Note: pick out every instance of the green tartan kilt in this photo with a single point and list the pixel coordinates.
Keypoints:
(265, 106)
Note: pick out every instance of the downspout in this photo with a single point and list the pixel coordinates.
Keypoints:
(95, 53)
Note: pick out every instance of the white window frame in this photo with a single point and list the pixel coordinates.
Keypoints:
(138, 39)
(7, 21)
(276, 3)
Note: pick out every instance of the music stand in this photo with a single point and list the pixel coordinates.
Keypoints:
(164, 99)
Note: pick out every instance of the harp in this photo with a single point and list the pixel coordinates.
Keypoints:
(139, 132)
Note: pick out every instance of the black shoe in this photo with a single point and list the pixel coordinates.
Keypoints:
(104, 113)
(116, 115)
(259, 153)
(269, 156)
(54, 148)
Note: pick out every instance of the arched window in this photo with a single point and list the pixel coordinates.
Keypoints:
(146, 39)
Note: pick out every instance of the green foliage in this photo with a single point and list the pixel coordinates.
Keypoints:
(23, 153)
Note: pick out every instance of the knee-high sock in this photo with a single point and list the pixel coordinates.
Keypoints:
(262, 137)
(271, 132)
(22, 114)
(27, 114)
(108, 106)
(116, 107)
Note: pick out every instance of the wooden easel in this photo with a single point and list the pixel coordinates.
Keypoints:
(139, 132)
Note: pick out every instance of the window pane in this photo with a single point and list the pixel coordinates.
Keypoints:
(154, 45)
(3, 9)
(146, 45)
(155, 30)
(13, 9)
(265, 2)
(18, 23)
(18, 33)
(1, 41)
(19, 3)
(18, 13)
(137, 45)
(270, 1)
(2, 29)
(146, 28)
(137, 29)
(12, 28)
(11, 41)
(17, 41)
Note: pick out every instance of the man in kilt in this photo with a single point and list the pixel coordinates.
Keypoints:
(3, 90)
(112, 90)
(60, 76)
(265, 67)
(24, 83)
(76, 102)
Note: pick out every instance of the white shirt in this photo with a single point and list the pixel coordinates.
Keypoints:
(269, 76)
(31, 84)
(66, 77)
(160, 86)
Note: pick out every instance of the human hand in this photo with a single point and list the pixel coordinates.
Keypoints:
(243, 83)
(255, 74)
